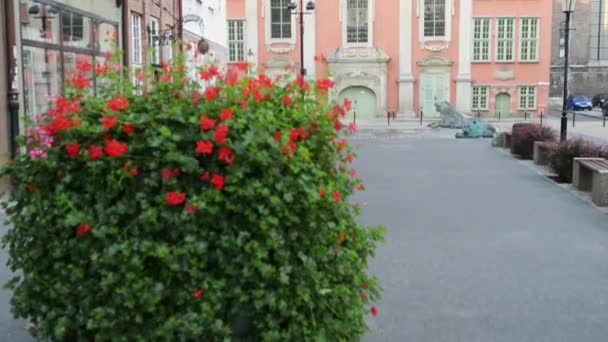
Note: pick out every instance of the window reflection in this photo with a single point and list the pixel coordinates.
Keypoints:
(76, 30)
(39, 22)
(41, 78)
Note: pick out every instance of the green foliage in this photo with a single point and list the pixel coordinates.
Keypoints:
(124, 232)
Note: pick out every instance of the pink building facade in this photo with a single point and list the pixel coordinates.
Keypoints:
(486, 56)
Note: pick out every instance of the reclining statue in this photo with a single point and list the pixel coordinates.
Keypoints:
(471, 127)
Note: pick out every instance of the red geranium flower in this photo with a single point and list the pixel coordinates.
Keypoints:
(341, 145)
(374, 311)
(116, 149)
(361, 187)
(30, 188)
(73, 149)
(205, 176)
(207, 123)
(175, 198)
(226, 154)
(128, 128)
(278, 136)
(95, 152)
(325, 84)
(322, 192)
(221, 132)
(109, 121)
(301, 82)
(353, 173)
(243, 66)
(227, 114)
(80, 81)
(204, 147)
(338, 125)
(364, 286)
(101, 69)
(340, 110)
(349, 158)
(341, 237)
(302, 133)
(292, 146)
(191, 208)
(294, 135)
(83, 229)
(347, 104)
(198, 294)
(364, 297)
(337, 196)
(196, 98)
(243, 104)
(218, 181)
(287, 101)
(212, 93)
(352, 127)
(83, 65)
(118, 103)
(168, 173)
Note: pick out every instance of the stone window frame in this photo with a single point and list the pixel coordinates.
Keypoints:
(370, 25)
(268, 25)
(236, 46)
(479, 97)
(449, 12)
(506, 40)
(481, 40)
(529, 40)
(527, 96)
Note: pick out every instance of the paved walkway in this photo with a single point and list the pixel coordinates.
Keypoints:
(479, 247)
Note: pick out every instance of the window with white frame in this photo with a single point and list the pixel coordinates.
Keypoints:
(280, 19)
(236, 40)
(168, 49)
(480, 98)
(505, 39)
(528, 50)
(357, 21)
(434, 18)
(154, 41)
(481, 39)
(527, 97)
(136, 46)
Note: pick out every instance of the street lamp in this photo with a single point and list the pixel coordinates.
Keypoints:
(310, 6)
(567, 8)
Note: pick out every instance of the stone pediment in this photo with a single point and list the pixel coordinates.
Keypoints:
(358, 55)
(432, 61)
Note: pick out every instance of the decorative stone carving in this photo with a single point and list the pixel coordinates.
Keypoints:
(280, 49)
(366, 67)
(504, 74)
(435, 46)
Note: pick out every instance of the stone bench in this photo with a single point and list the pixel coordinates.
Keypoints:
(591, 174)
(541, 151)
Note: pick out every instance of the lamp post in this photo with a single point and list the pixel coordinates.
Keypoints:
(310, 6)
(568, 8)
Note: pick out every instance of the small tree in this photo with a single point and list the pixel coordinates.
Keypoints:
(189, 214)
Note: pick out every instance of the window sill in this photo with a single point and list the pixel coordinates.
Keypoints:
(529, 62)
(505, 62)
(481, 62)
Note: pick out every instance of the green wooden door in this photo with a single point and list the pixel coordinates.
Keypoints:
(433, 88)
(363, 102)
(503, 105)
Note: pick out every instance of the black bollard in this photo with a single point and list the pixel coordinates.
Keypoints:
(421, 117)
(541, 117)
(498, 115)
(388, 117)
(525, 115)
(573, 118)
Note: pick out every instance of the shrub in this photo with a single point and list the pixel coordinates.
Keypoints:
(191, 215)
(561, 158)
(525, 134)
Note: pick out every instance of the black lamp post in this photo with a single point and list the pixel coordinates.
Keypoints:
(568, 8)
(310, 6)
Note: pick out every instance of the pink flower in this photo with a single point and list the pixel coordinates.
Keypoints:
(352, 127)
(38, 153)
(374, 311)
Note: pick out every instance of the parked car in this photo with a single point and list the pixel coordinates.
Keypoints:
(598, 99)
(579, 102)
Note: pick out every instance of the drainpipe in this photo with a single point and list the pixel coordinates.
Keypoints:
(180, 20)
(125, 35)
(13, 88)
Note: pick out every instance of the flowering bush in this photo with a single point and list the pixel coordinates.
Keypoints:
(524, 136)
(190, 214)
(561, 158)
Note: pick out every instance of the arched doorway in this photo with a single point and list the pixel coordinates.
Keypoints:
(363, 102)
(503, 105)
